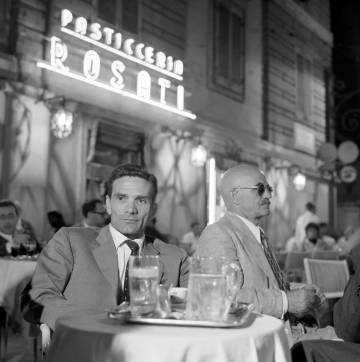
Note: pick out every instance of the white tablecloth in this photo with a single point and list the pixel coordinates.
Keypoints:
(14, 275)
(90, 336)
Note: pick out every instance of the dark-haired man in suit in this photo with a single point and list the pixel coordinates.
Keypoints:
(83, 267)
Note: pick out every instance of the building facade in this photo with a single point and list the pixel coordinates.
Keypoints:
(148, 81)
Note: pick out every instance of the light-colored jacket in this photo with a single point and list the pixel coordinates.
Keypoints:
(78, 269)
(230, 237)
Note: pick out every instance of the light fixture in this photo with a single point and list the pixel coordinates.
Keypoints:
(62, 118)
(299, 181)
(61, 123)
(198, 155)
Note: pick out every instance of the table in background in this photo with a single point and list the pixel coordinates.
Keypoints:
(15, 274)
(91, 336)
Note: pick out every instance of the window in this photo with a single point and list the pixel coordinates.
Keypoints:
(8, 11)
(123, 13)
(228, 48)
(303, 88)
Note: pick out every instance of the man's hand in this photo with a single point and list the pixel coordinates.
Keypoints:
(302, 301)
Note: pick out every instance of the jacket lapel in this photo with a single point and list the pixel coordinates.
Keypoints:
(105, 254)
(249, 243)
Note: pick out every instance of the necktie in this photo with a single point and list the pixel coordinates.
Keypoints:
(273, 263)
(134, 247)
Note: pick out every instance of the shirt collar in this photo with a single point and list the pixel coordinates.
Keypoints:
(119, 238)
(255, 230)
(7, 237)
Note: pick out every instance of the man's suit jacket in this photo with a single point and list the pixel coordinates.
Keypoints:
(347, 311)
(79, 268)
(230, 237)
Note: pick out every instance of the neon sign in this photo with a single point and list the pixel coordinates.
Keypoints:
(158, 84)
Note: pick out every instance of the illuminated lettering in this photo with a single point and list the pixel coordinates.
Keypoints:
(109, 88)
(169, 63)
(138, 51)
(95, 29)
(108, 33)
(180, 97)
(128, 46)
(117, 81)
(143, 84)
(58, 53)
(149, 55)
(105, 36)
(81, 25)
(178, 67)
(163, 83)
(91, 65)
(66, 17)
(118, 40)
(160, 60)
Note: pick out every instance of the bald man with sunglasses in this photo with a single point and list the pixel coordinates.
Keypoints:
(237, 235)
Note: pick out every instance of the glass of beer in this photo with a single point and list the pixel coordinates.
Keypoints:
(144, 277)
(213, 285)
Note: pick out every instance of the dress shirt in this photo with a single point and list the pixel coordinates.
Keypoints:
(123, 251)
(10, 240)
(256, 231)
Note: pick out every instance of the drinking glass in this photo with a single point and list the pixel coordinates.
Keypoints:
(144, 279)
(213, 285)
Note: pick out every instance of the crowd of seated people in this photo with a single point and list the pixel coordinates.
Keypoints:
(58, 287)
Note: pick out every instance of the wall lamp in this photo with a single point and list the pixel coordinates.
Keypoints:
(62, 119)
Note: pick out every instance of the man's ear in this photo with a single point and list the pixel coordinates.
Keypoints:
(108, 204)
(235, 197)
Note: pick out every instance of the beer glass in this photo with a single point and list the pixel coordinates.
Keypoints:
(144, 279)
(213, 285)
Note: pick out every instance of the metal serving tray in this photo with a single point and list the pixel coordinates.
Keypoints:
(238, 318)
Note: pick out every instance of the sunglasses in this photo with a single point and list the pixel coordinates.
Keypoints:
(104, 213)
(260, 187)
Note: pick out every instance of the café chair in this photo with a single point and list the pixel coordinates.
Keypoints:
(294, 265)
(4, 327)
(331, 276)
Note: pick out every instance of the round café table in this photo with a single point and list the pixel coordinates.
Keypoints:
(89, 335)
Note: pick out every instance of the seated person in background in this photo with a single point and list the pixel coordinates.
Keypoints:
(342, 244)
(94, 214)
(10, 238)
(307, 217)
(325, 235)
(85, 267)
(22, 225)
(312, 241)
(56, 222)
(190, 239)
(291, 243)
(237, 235)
